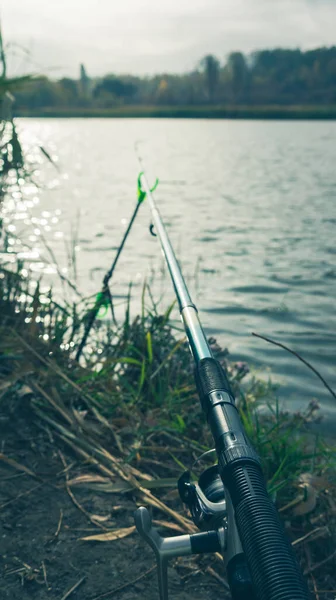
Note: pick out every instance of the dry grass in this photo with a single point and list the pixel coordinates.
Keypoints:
(130, 425)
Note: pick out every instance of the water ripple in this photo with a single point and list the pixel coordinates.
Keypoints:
(251, 211)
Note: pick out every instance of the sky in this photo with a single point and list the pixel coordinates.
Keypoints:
(154, 36)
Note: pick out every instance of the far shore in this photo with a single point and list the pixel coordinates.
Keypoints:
(186, 112)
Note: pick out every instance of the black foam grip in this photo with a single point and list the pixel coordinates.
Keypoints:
(239, 578)
(211, 376)
(274, 569)
(207, 541)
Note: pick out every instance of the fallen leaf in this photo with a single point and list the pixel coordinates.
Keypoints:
(16, 465)
(25, 391)
(308, 503)
(83, 479)
(103, 484)
(319, 483)
(110, 536)
(80, 414)
(101, 518)
(169, 525)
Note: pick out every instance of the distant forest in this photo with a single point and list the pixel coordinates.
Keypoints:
(265, 78)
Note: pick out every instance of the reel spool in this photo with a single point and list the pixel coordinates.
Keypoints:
(205, 499)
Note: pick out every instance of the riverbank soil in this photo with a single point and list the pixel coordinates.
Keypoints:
(41, 551)
(43, 523)
(68, 473)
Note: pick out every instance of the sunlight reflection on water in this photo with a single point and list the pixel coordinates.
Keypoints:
(251, 211)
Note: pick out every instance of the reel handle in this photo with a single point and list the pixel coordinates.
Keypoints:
(181, 545)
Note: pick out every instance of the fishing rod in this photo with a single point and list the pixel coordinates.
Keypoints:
(104, 297)
(229, 504)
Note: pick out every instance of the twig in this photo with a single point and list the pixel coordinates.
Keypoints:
(162, 449)
(74, 587)
(56, 406)
(308, 555)
(147, 496)
(292, 503)
(89, 400)
(310, 534)
(109, 426)
(168, 525)
(59, 524)
(18, 466)
(213, 573)
(320, 564)
(125, 585)
(20, 496)
(300, 358)
(75, 501)
(45, 574)
(314, 586)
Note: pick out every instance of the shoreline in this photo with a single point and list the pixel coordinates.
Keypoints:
(187, 112)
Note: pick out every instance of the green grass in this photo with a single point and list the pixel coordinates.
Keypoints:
(141, 370)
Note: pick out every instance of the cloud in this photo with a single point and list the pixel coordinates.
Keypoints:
(149, 36)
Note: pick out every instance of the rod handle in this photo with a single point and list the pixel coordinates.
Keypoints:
(275, 572)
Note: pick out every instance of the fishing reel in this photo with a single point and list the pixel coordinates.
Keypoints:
(206, 502)
(205, 499)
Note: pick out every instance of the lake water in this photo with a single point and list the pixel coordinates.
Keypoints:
(251, 211)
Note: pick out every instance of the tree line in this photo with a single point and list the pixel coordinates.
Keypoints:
(281, 77)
